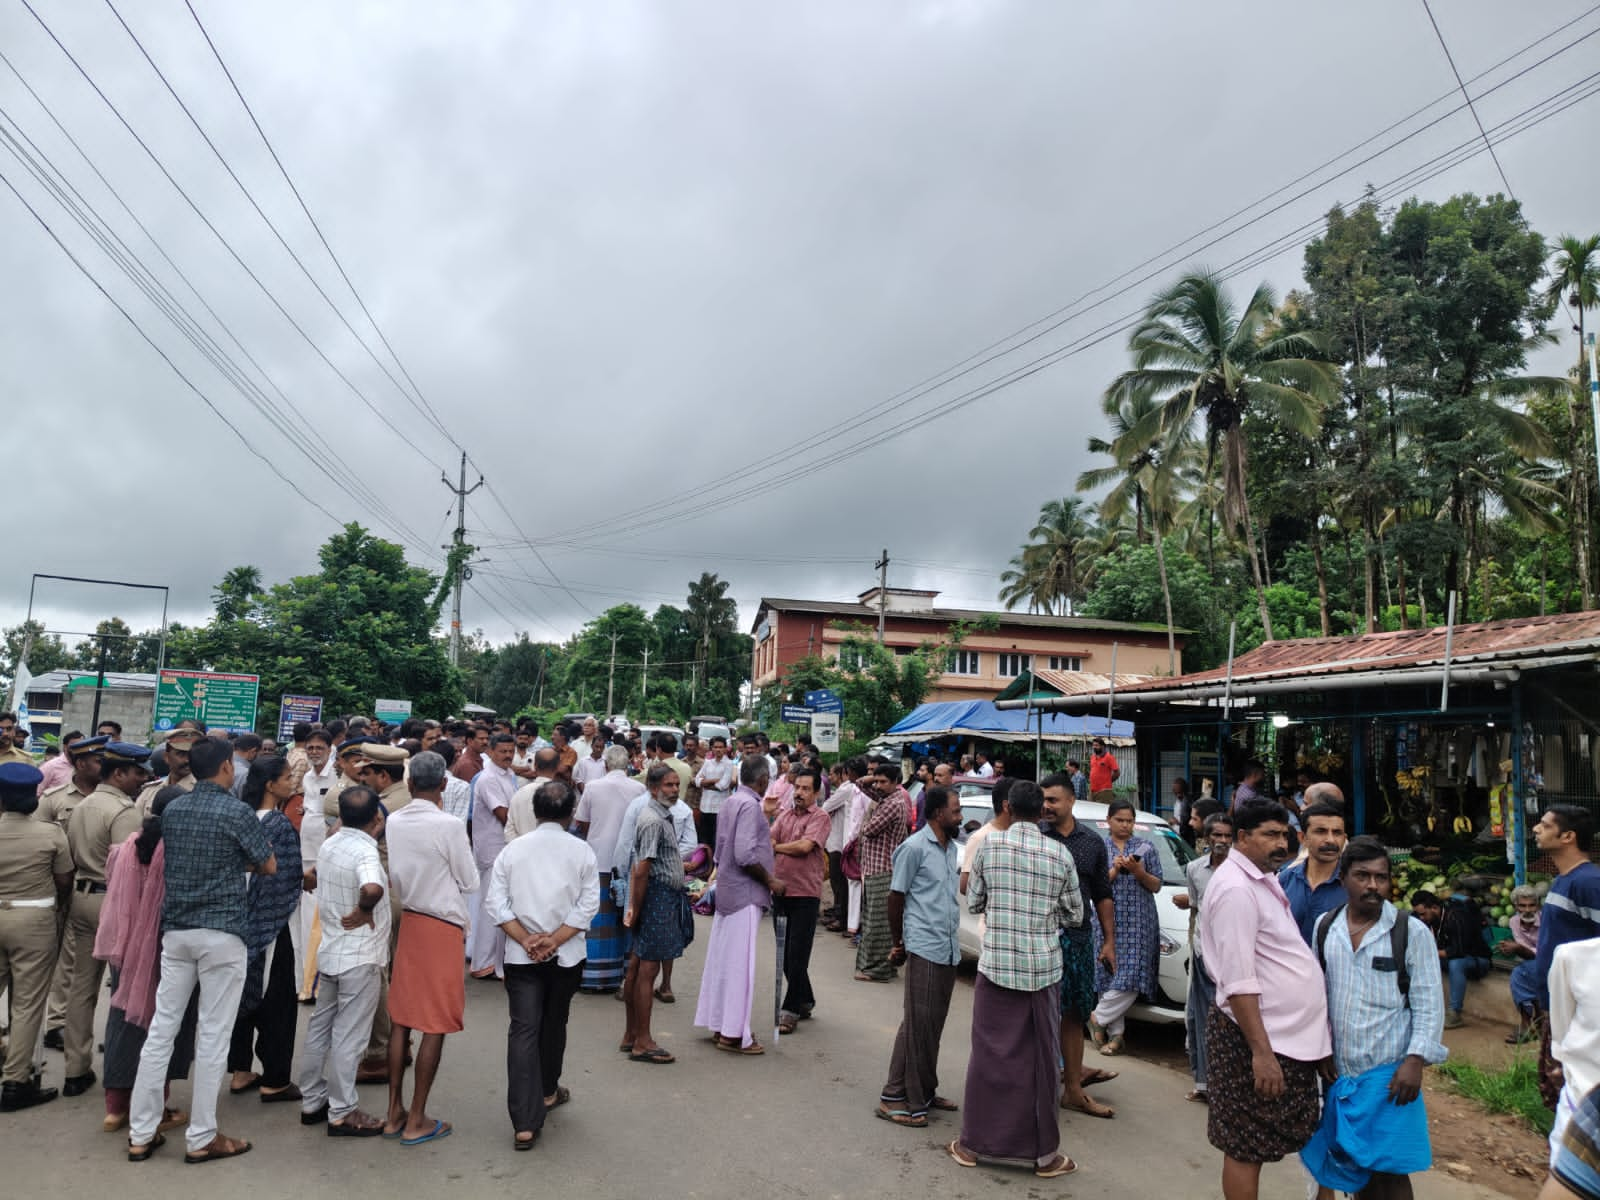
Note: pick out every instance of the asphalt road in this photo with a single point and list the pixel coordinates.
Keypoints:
(796, 1122)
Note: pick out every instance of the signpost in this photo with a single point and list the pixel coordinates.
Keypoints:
(824, 700)
(294, 709)
(219, 700)
(795, 714)
(825, 732)
(391, 712)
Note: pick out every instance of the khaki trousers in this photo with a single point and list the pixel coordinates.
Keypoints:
(60, 984)
(88, 973)
(27, 957)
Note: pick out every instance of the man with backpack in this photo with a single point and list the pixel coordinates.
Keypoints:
(1386, 1008)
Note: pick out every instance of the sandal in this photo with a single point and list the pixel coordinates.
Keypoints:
(1090, 1108)
(961, 1154)
(222, 1146)
(561, 1097)
(1097, 1032)
(518, 1142)
(788, 1024)
(357, 1125)
(665, 996)
(734, 1047)
(1055, 1169)
(901, 1116)
(240, 1089)
(944, 1105)
(143, 1153)
(1095, 1075)
(172, 1118)
(1197, 1097)
(659, 1055)
(625, 1048)
(441, 1129)
(1115, 1046)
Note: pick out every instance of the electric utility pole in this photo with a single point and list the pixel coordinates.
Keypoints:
(611, 676)
(883, 590)
(462, 491)
(644, 683)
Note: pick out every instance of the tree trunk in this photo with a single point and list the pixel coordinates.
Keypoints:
(1578, 480)
(1322, 577)
(1368, 583)
(1237, 500)
(1400, 573)
(1166, 595)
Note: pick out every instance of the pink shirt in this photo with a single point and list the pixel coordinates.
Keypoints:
(56, 772)
(1525, 934)
(1252, 946)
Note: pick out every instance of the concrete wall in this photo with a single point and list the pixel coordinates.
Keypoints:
(135, 710)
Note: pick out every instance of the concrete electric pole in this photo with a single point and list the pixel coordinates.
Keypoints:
(462, 491)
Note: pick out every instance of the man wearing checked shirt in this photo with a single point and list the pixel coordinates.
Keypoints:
(1387, 1019)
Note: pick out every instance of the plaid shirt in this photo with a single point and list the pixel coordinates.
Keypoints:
(1028, 886)
(885, 827)
(211, 838)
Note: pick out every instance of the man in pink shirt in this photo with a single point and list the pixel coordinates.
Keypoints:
(1269, 1029)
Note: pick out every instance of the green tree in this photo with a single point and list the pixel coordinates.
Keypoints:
(1128, 588)
(1052, 571)
(1575, 279)
(1207, 360)
(592, 671)
(709, 613)
(238, 594)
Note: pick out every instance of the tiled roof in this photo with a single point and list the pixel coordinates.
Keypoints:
(869, 615)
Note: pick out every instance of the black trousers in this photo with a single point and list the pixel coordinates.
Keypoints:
(840, 887)
(540, 996)
(271, 1023)
(802, 912)
(706, 828)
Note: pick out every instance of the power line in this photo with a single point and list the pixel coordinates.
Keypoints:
(1471, 107)
(729, 481)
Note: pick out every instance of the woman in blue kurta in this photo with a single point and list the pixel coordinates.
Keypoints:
(1135, 879)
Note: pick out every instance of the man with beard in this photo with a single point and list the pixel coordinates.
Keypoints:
(1269, 1028)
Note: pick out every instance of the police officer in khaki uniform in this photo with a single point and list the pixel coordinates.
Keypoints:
(35, 873)
(176, 751)
(9, 751)
(106, 818)
(56, 806)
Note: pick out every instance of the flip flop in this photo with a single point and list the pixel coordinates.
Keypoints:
(254, 1083)
(356, 1129)
(944, 1105)
(788, 1025)
(231, 1148)
(439, 1130)
(1095, 1075)
(733, 1047)
(1198, 1097)
(1104, 1111)
(562, 1096)
(901, 1116)
(395, 1135)
(961, 1154)
(518, 1143)
(142, 1153)
(626, 1048)
(1061, 1166)
(665, 997)
(1097, 1033)
(658, 1055)
(1115, 1046)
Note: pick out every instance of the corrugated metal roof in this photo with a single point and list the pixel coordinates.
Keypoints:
(1081, 683)
(1497, 641)
(59, 681)
(869, 615)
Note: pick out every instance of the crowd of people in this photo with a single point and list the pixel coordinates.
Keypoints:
(372, 872)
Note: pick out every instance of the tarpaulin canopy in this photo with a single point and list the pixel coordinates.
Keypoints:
(981, 719)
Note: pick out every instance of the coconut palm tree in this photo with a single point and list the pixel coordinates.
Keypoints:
(235, 596)
(1575, 278)
(709, 612)
(1052, 569)
(1205, 359)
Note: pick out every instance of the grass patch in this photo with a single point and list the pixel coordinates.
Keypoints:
(1514, 1090)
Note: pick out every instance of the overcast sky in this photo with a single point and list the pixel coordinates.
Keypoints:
(627, 251)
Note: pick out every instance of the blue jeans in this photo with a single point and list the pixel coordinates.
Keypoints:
(1460, 970)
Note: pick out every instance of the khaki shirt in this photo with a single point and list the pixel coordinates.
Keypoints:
(393, 798)
(15, 755)
(56, 805)
(32, 854)
(105, 818)
(148, 793)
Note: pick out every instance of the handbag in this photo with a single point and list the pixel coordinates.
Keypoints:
(685, 918)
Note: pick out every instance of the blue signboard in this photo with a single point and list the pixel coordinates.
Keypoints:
(824, 700)
(293, 709)
(795, 714)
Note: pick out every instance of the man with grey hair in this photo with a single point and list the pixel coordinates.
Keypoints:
(745, 888)
(599, 820)
(522, 819)
(427, 773)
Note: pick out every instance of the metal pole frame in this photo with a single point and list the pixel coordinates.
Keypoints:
(166, 599)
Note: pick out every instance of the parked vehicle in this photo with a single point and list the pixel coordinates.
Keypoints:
(646, 732)
(1173, 973)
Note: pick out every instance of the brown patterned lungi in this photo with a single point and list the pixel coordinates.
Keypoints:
(1240, 1122)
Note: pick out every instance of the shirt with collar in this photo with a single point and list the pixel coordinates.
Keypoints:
(32, 854)
(1093, 863)
(928, 875)
(1198, 876)
(57, 803)
(885, 826)
(1308, 903)
(602, 808)
(457, 798)
(1252, 946)
(655, 840)
(802, 874)
(431, 868)
(56, 772)
(586, 770)
(519, 817)
(1575, 1014)
(210, 841)
(492, 789)
(1371, 1024)
(837, 806)
(105, 817)
(1028, 887)
(717, 777)
(348, 861)
(544, 881)
(744, 839)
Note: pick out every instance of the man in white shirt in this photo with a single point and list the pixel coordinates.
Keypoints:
(985, 767)
(585, 744)
(837, 806)
(716, 779)
(350, 884)
(544, 890)
(599, 820)
(521, 819)
(321, 771)
(590, 766)
(432, 872)
(492, 790)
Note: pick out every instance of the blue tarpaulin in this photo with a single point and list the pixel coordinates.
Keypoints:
(980, 718)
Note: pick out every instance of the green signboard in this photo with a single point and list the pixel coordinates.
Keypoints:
(219, 700)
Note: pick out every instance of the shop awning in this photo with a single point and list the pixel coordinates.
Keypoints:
(981, 719)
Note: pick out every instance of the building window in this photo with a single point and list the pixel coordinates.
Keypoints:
(962, 662)
(1012, 665)
(1065, 662)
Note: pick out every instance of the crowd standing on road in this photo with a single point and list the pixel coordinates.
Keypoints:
(371, 872)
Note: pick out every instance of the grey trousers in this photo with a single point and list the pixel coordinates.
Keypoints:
(336, 1037)
(1202, 995)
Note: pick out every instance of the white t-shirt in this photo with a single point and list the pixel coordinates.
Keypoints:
(985, 771)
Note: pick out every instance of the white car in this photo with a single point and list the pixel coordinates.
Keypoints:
(1173, 978)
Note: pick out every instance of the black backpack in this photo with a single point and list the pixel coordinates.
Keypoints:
(1399, 941)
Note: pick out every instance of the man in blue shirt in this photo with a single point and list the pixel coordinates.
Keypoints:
(924, 923)
(1313, 884)
(1571, 913)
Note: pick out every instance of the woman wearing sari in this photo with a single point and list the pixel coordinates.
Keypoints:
(1135, 880)
(267, 1006)
(129, 941)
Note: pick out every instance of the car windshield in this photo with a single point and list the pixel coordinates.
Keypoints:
(1174, 851)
